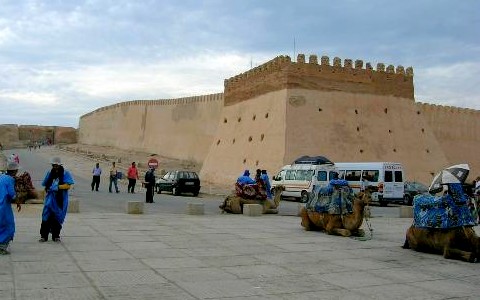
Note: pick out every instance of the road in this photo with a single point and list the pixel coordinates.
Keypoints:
(37, 162)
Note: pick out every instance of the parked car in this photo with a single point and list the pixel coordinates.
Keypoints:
(179, 182)
(413, 188)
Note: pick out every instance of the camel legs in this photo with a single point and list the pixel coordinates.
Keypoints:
(306, 223)
(450, 253)
(339, 231)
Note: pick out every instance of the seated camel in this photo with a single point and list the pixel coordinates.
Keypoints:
(234, 204)
(455, 243)
(338, 224)
(444, 225)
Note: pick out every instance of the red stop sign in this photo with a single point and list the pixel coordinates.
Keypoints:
(153, 163)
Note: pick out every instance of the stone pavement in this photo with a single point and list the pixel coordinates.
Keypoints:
(175, 256)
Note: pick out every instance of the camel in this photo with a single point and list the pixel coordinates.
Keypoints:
(234, 204)
(456, 243)
(344, 225)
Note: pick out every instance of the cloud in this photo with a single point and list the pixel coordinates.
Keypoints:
(67, 58)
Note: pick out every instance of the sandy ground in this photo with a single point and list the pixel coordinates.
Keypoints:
(123, 158)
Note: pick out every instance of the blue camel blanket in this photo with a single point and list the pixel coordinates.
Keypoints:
(336, 198)
(447, 211)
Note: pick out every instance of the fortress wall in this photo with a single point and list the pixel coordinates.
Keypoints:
(177, 128)
(360, 127)
(250, 135)
(65, 135)
(9, 135)
(457, 131)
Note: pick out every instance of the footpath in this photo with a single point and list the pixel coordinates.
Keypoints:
(175, 256)
(159, 255)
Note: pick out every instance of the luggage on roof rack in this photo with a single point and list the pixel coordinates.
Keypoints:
(313, 160)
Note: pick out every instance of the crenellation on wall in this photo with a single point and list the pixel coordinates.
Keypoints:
(281, 73)
(380, 67)
(390, 69)
(337, 62)
(358, 64)
(348, 64)
(158, 102)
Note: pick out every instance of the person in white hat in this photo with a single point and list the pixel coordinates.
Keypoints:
(7, 195)
(57, 182)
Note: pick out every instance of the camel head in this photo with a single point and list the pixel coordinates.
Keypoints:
(278, 189)
(365, 197)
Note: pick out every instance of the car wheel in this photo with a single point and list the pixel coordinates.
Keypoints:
(407, 200)
(175, 191)
(195, 194)
(304, 197)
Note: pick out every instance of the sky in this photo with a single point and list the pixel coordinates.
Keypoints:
(61, 59)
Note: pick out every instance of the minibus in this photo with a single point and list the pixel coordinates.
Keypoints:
(387, 177)
(299, 179)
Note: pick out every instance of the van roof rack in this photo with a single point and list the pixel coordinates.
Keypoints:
(312, 160)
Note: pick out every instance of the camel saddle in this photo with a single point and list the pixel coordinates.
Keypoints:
(334, 199)
(447, 211)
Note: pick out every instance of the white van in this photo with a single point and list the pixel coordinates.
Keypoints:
(299, 179)
(386, 176)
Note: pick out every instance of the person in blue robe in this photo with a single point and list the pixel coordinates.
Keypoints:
(57, 182)
(7, 195)
(266, 181)
(245, 178)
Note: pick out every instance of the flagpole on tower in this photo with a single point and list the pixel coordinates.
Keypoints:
(294, 49)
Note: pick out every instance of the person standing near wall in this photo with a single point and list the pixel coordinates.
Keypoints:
(97, 171)
(150, 184)
(113, 178)
(132, 175)
(57, 182)
(7, 194)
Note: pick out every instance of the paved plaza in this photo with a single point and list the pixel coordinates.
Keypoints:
(180, 256)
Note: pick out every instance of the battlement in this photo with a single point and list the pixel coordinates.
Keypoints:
(280, 73)
(427, 107)
(177, 101)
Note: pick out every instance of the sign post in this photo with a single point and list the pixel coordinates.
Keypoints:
(153, 163)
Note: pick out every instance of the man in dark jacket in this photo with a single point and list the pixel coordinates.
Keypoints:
(150, 184)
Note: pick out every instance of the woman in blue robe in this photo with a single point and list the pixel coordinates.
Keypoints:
(7, 194)
(57, 182)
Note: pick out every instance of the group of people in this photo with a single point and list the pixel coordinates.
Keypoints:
(57, 182)
(254, 188)
(132, 176)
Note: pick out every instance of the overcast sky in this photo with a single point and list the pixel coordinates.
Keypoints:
(61, 59)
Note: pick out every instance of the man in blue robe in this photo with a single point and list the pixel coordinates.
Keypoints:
(7, 194)
(245, 178)
(57, 182)
(268, 186)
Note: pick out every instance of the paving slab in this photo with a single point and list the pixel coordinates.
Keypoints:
(171, 256)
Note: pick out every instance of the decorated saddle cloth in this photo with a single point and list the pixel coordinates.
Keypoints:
(250, 191)
(335, 199)
(447, 211)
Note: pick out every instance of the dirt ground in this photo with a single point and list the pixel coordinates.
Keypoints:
(124, 158)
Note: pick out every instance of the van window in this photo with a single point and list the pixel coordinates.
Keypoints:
(322, 176)
(398, 176)
(290, 175)
(341, 175)
(352, 175)
(371, 175)
(305, 175)
(388, 176)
